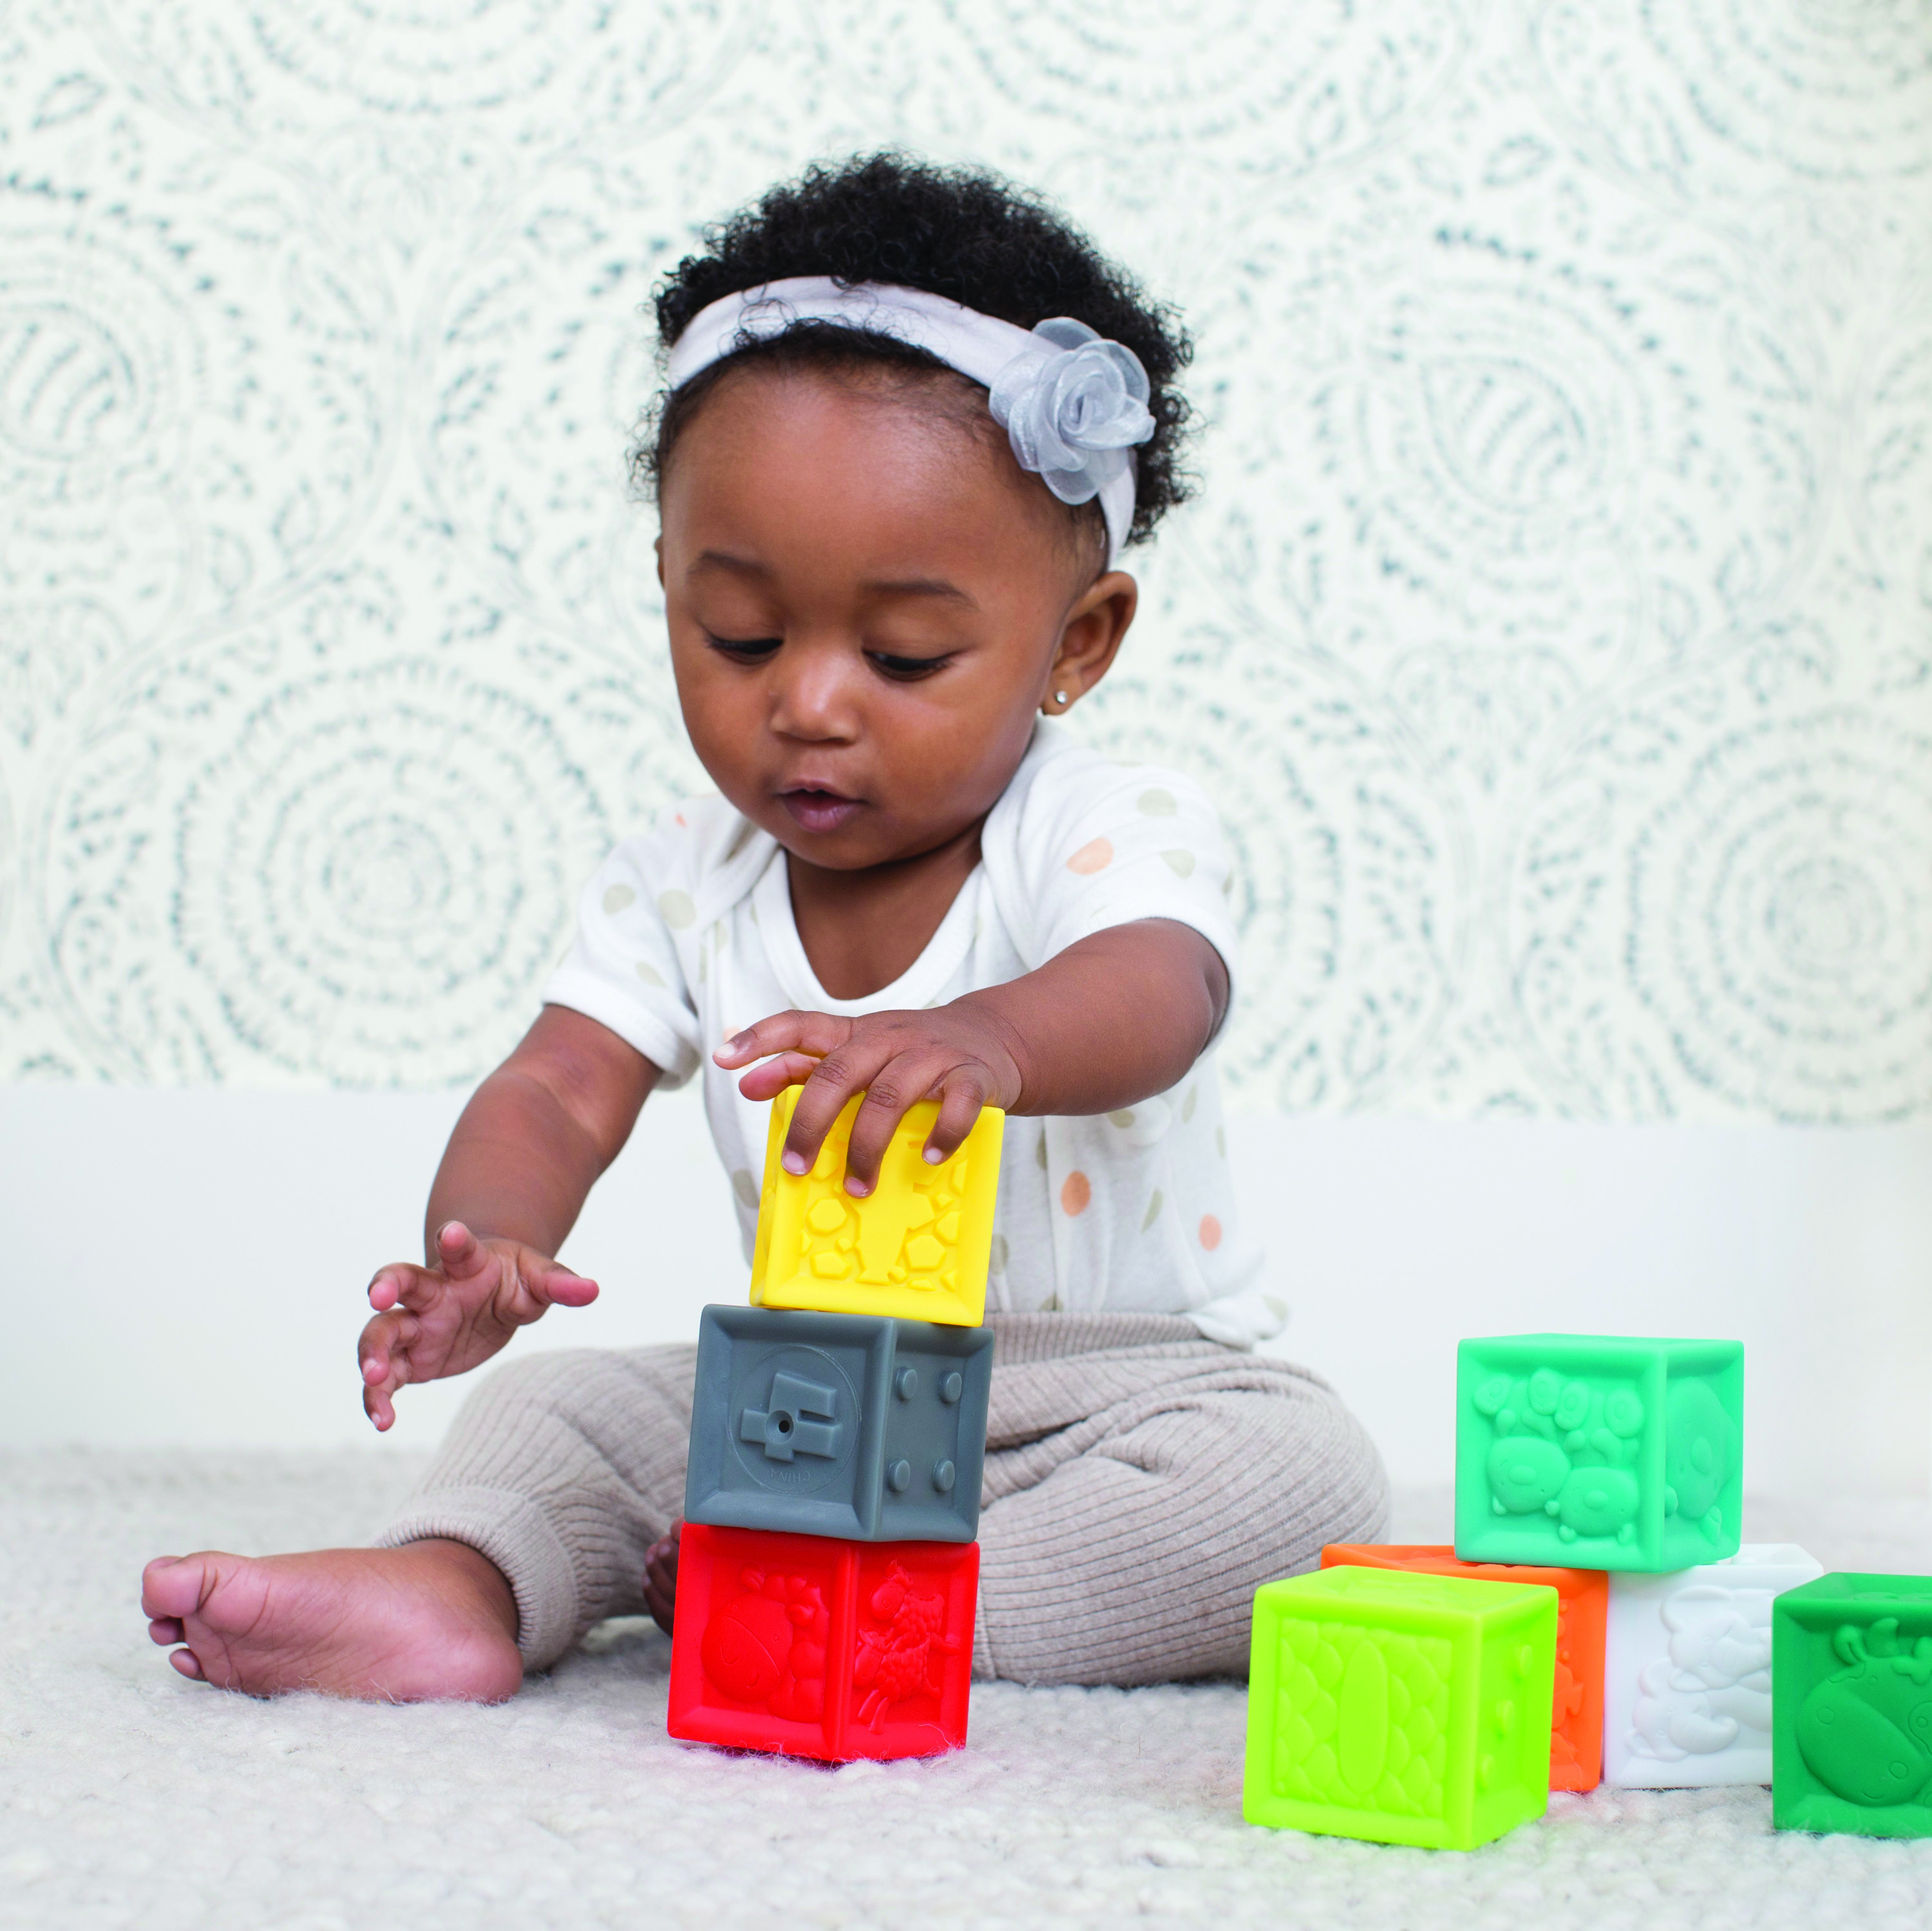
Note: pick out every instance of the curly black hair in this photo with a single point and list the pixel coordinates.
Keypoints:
(964, 233)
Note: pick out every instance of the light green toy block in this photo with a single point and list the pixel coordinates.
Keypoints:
(1599, 1451)
(1404, 1708)
(1851, 1726)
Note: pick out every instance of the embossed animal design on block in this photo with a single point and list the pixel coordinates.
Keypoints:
(1852, 1694)
(766, 1644)
(1582, 1602)
(1688, 1683)
(1599, 1452)
(1403, 1706)
(917, 1246)
(811, 1646)
(906, 1656)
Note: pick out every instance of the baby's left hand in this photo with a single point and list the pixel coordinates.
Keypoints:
(960, 1055)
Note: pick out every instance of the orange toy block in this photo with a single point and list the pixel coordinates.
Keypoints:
(1582, 1610)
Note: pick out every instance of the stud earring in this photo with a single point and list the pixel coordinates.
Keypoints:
(1060, 698)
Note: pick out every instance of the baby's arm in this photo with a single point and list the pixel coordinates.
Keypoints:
(532, 1141)
(1113, 1018)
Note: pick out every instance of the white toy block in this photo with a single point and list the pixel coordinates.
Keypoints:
(1687, 1670)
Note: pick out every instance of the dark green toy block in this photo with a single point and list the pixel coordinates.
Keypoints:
(1851, 1730)
(1599, 1451)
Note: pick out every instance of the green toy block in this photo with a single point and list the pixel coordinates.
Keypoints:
(1851, 1727)
(1599, 1451)
(1404, 1708)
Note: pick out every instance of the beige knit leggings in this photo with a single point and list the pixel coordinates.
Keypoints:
(1140, 1482)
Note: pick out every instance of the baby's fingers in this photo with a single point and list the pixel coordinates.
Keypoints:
(770, 1077)
(960, 1102)
(545, 1284)
(820, 1101)
(463, 1256)
(382, 1354)
(813, 1034)
(961, 1091)
(402, 1285)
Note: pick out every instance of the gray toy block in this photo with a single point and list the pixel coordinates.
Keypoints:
(849, 1425)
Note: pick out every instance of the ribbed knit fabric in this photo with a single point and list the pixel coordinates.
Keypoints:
(1141, 1483)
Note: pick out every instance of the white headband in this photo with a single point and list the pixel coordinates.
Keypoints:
(1073, 403)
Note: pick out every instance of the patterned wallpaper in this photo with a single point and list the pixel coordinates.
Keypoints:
(1554, 624)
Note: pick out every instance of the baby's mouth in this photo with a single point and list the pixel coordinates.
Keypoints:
(815, 809)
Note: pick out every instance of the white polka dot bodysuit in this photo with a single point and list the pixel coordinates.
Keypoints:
(685, 937)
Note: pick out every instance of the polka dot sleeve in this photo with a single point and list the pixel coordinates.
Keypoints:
(1088, 844)
(626, 969)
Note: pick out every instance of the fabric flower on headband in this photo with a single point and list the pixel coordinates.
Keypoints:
(1074, 406)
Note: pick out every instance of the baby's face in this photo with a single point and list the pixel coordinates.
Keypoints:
(866, 599)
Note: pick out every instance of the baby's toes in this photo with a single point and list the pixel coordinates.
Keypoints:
(170, 1587)
(166, 1629)
(184, 1660)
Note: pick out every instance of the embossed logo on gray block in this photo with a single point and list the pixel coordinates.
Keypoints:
(796, 1420)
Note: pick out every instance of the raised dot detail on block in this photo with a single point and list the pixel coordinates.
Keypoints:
(951, 1389)
(906, 1385)
(898, 1477)
(943, 1474)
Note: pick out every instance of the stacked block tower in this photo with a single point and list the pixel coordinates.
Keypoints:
(828, 1576)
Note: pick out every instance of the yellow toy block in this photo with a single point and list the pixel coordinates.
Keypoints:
(917, 1247)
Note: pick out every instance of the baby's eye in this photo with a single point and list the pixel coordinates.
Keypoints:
(744, 650)
(907, 669)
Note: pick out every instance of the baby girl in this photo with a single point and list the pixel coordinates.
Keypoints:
(912, 421)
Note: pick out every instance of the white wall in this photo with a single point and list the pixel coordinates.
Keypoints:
(187, 1267)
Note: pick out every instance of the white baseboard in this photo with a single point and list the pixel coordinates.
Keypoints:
(187, 1265)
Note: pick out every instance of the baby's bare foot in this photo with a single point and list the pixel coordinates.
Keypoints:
(431, 1619)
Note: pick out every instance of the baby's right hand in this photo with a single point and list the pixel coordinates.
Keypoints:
(431, 1322)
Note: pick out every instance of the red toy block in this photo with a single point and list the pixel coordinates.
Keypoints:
(811, 1646)
(1583, 1612)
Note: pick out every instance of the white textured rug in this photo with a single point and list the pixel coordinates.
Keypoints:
(129, 1797)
